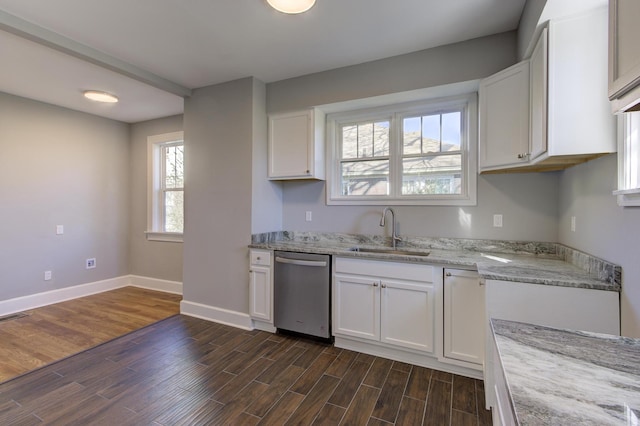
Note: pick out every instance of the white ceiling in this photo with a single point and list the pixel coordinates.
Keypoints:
(197, 43)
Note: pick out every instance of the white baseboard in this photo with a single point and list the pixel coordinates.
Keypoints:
(38, 300)
(166, 286)
(219, 315)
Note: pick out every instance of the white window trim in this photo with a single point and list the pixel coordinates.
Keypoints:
(626, 194)
(469, 152)
(154, 203)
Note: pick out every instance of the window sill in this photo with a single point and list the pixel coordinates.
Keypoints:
(170, 237)
(458, 201)
(628, 197)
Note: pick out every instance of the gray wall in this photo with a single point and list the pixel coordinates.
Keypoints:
(60, 167)
(468, 60)
(266, 203)
(528, 203)
(603, 228)
(528, 24)
(157, 259)
(218, 184)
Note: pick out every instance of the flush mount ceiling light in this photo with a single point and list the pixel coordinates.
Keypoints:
(291, 6)
(98, 96)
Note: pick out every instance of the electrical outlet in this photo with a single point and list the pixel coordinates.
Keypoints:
(59, 229)
(47, 275)
(497, 221)
(308, 216)
(573, 224)
(91, 263)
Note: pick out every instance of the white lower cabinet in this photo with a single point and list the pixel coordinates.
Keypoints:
(503, 414)
(385, 302)
(464, 318)
(356, 307)
(406, 314)
(261, 289)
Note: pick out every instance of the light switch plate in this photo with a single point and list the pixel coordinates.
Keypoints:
(59, 229)
(497, 221)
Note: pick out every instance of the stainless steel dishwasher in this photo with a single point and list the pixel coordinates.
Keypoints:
(302, 293)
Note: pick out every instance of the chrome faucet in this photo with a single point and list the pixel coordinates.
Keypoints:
(394, 237)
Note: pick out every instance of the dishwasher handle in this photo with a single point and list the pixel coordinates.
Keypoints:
(319, 263)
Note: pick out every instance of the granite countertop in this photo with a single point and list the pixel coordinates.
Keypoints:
(537, 263)
(565, 377)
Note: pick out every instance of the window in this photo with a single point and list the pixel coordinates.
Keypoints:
(628, 192)
(165, 205)
(419, 153)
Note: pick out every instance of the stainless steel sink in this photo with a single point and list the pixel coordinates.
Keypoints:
(389, 251)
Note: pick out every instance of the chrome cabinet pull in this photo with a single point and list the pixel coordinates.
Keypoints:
(375, 284)
(384, 286)
(448, 274)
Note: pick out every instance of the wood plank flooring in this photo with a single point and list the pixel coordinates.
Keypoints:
(56, 331)
(185, 370)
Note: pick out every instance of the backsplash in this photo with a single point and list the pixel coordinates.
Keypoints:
(594, 266)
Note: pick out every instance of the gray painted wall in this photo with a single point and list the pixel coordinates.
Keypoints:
(218, 184)
(468, 60)
(528, 203)
(528, 24)
(60, 167)
(603, 228)
(157, 259)
(266, 203)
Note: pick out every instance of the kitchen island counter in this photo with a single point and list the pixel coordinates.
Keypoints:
(557, 376)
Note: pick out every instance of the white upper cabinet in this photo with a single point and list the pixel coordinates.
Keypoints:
(624, 55)
(538, 65)
(504, 117)
(568, 115)
(296, 145)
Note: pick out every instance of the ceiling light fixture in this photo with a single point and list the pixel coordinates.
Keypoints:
(98, 96)
(291, 6)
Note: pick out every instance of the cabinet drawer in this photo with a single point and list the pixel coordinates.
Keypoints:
(260, 257)
(385, 269)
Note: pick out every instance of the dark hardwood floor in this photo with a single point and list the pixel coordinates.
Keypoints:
(185, 370)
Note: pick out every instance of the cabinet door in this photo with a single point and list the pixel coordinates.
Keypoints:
(504, 117)
(624, 49)
(539, 91)
(407, 314)
(464, 317)
(356, 306)
(290, 145)
(260, 293)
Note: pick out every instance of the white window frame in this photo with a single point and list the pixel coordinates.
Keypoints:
(628, 192)
(395, 113)
(155, 171)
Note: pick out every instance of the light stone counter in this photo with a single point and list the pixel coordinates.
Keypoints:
(528, 262)
(564, 377)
